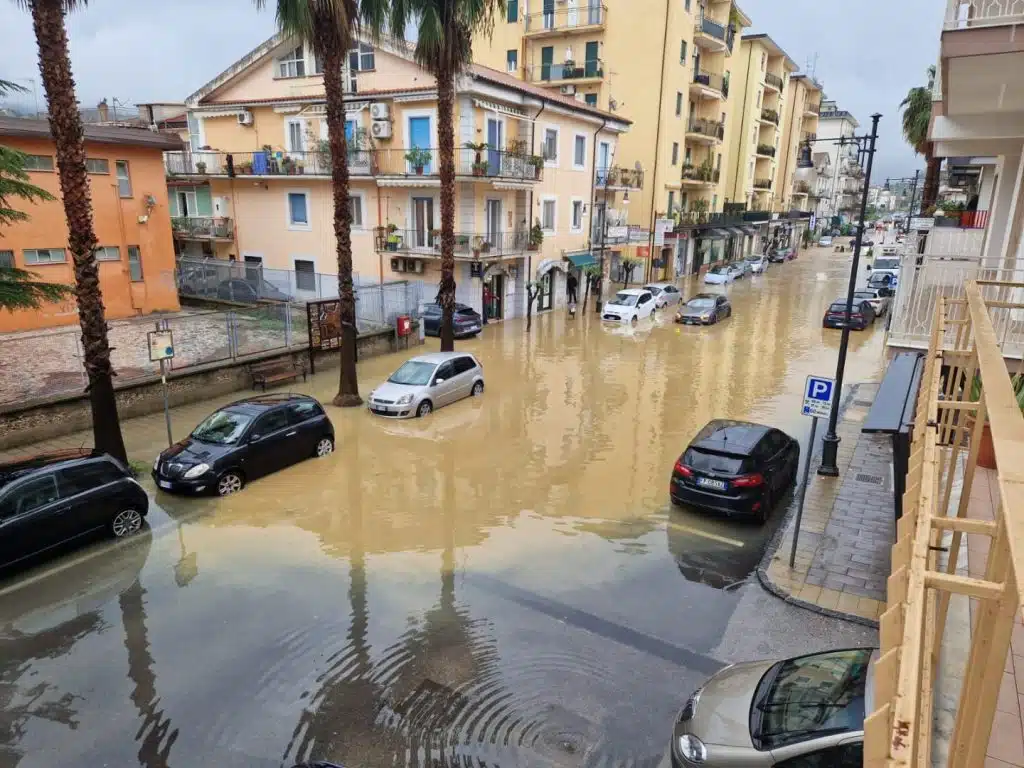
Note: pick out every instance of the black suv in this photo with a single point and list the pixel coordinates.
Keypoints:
(243, 441)
(48, 500)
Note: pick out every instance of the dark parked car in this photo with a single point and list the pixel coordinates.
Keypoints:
(250, 291)
(862, 316)
(704, 309)
(465, 322)
(779, 255)
(245, 440)
(735, 467)
(46, 501)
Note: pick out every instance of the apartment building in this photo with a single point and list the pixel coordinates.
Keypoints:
(255, 184)
(800, 130)
(835, 127)
(131, 218)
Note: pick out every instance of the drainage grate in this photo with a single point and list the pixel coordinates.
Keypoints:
(863, 403)
(873, 479)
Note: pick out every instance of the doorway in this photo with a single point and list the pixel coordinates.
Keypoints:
(186, 203)
(493, 224)
(495, 141)
(423, 222)
(494, 297)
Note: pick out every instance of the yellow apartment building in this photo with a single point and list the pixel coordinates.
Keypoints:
(254, 185)
(800, 126)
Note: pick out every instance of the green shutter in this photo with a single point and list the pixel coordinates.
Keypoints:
(513, 11)
(204, 205)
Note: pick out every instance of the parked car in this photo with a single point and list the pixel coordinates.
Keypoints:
(249, 291)
(886, 265)
(199, 280)
(466, 321)
(758, 263)
(704, 309)
(665, 294)
(777, 255)
(884, 283)
(862, 316)
(788, 253)
(427, 382)
(878, 298)
(806, 711)
(243, 441)
(46, 501)
(629, 306)
(825, 241)
(720, 274)
(735, 467)
(738, 269)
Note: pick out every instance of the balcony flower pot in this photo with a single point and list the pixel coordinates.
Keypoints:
(480, 168)
(201, 167)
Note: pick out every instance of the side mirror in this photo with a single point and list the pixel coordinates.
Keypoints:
(869, 267)
(438, 381)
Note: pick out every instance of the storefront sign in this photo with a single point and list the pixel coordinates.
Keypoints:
(643, 251)
(618, 233)
(324, 321)
(476, 269)
(661, 228)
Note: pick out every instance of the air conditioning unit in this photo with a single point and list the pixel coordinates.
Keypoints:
(568, 90)
(380, 111)
(417, 267)
(245, 117)
(396, 265)
(381, 129)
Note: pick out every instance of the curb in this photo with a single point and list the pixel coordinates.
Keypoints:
(773, 547)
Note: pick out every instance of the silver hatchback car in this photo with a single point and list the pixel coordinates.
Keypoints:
(428, 382)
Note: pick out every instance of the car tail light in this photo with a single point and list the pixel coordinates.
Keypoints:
(857, 316)
(683, 470)
(748, 481)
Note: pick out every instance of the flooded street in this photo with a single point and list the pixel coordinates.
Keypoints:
(501, 583)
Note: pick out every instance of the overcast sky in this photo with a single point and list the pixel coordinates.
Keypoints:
(869, 54)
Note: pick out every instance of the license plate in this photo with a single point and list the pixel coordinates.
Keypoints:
(707, 482)
(164, 484)
(380, 409)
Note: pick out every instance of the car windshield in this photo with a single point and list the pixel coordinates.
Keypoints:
(711, 461)
(864, 295)
(625, 299)
(719, 270)
(810, 696)
(222, 427)
(839, 306)
(414, 373)
(655, 290)
(887, 264)
(700, 303)
(754, 259)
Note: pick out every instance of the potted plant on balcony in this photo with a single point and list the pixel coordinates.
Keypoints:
(478, 148)
(288, 166)
(394, 239)
(435, 238)
(536, 237)
(201, 168)
(300, 167)
(986, 450)
(245, 168)
(948, 214)
(418, 158)
(461, 242)
(706, 170)
(538, 165)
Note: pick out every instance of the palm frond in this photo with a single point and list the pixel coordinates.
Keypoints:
(320, 23)
(917, 114)
(6, 86)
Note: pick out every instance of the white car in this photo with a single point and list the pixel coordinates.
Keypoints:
(720, 274)
(738, 269)
(758, 263)
(665, 294)
(629, 306)
(878, 298)
(825, 241)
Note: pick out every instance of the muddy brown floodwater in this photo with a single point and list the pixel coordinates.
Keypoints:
(502, 583)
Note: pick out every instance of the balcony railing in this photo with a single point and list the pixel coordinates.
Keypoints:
(427, 242)
(712, 80)
(701, 173)
(770, 115)
(813, 108)
(967, 14)
(705, 127)
(801, 188)
(808, 137)
(762, 183)
(567, 19)
(621, 178)
(717, 30)
(203, 227)
(766, 150)
(569, 70)
(773, 80)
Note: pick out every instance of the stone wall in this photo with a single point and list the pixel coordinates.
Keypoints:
(46, 418)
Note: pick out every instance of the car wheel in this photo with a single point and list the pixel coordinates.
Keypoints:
(125, 523)
(633, 320)
(229, 483)
(325, 446)
(478, 389)
(425, 408)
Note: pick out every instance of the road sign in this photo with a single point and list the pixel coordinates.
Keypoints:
(161, 344)
(818, 394)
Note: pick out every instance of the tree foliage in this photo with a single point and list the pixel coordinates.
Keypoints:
(917, 115)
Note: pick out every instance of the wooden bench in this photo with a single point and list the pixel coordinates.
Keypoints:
(275, 371)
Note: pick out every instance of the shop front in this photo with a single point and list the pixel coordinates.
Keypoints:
(551, 277)
(709, 249)
(577, 263)
(502, 289)
(752, 240)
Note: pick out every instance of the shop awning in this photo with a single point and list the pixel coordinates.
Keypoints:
(752, 231)
(713, 234)
(580, 260)
(735, 231)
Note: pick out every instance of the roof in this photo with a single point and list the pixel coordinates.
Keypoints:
(774, 48)
(727, 435)
(103, 134)
(811, 80)
(436, 357)
(360, 96)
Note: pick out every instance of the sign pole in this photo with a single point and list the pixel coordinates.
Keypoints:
(167, 405)
(819, 393)
(161, 345)
(803, 490)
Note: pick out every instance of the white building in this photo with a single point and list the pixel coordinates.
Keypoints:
(844, 192)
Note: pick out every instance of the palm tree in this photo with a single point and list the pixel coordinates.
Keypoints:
(66, 128)
(327, 26)
(444, 47)
(917, 115)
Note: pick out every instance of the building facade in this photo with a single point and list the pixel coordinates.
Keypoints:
(131, 217)
(803, 103)
(835, 127)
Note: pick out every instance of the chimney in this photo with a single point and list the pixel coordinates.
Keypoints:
(103, 110)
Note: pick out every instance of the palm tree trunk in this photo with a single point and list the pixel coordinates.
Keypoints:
(446, 141)
(348, 386)
(66, 127)
(933, 165)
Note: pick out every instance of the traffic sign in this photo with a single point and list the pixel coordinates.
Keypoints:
(818, 394)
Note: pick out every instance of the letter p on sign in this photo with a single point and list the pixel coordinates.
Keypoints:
(818, 395)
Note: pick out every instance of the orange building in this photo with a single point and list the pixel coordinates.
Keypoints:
(130, 215)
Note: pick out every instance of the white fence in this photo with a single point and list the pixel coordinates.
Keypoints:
(966, 14)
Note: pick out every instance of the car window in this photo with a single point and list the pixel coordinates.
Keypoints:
(432, 309)
(302, 410)
(644, 298)
(85, 477)
(445, 371)
(222, 427)
(720, 301)
(843, 756)
(271, 422)
(777, 441)
(32, 494)
(463, 364)
(709, 461)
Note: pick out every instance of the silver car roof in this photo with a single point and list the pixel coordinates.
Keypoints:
(438, 357)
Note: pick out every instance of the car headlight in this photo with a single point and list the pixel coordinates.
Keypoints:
(197, 471)
(692, 748)
(706, 316)
(404, 400)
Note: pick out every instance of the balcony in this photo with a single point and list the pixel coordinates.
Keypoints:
(699, 176)
(474, 246)
(710, 84)
(773, 82)
(770, 116)
(619, 178)
(801, 188)
(567, 72)
(765, 151)
(216, 228)
(713, 36)
(970, 14)
(812, 110)
(567, 20)
(701, 130)
(808, 137)
(763, 184)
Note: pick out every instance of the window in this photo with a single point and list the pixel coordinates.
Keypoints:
(463, 364)
(577, 215)
(305, 275)
(361, 58)
(6, 259)
(579, 152)
(38, 163)
(318, 65)
(303, 409)
(547, 217)
(551, 145)
(34, 493)
(124, 181)
(97, 165)
(590, 99)
(682, 52)
(513, 11)
(843, 756)
(135, 263)
(357, 210)
(86, 477)
(512, 61)
(675, 153)
(45, 256)
(686, 5)
(718, 162)
(298, 210)
(292, 64)
(108, 253)
(671, 201)
(679, 104)
(270, 422)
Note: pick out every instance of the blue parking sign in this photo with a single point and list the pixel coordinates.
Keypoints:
(818, 394)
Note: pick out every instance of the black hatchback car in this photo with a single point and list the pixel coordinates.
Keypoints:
(735, 467)
(465, 322)
(245, 440)
(46, 501)
(861, 317)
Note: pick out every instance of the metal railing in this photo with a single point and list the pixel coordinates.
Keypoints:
(264, 163)
(203, 227)
(801, 188)
(766, 150)
(568, 70)
(967, 14)
(567, 19)
(774, 81)
(762, 183)
(813, 108)
(716, 29)
(620, 178)
(476, 245)
(700, 173)
(967, 399)
(712, 80)
(808, 136)
(493, 163)
(770, 115)
(705, 127)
